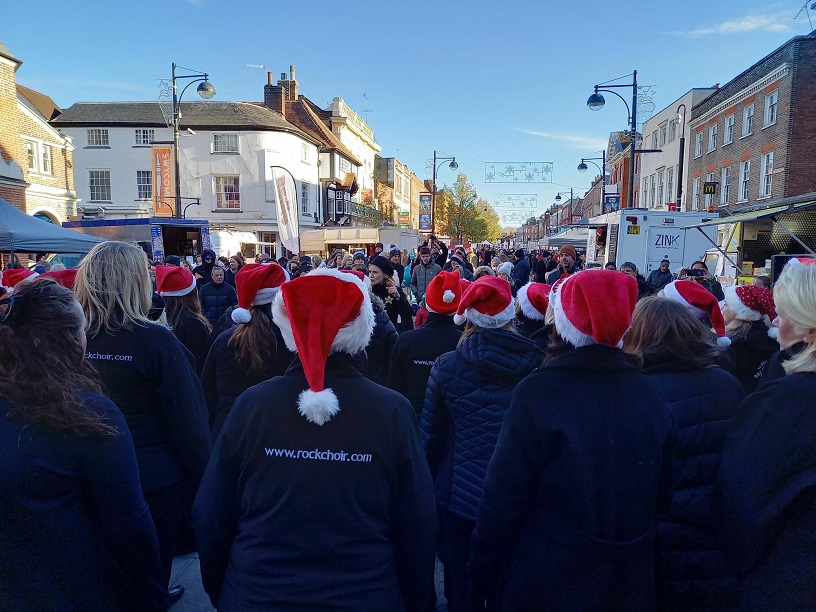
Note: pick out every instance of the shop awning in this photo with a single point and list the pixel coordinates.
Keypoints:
(349, 183)
(351, 235)
(761, 213)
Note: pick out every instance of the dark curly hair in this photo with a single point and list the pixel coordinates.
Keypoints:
(43, 321)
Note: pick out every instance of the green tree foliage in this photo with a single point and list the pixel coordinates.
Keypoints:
(463, 215)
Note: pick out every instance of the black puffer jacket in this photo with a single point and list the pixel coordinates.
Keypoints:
(694, 571)
(751, 352)
(468, 393)
(398, 309)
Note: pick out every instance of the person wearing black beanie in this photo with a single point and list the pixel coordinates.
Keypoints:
(383, 285)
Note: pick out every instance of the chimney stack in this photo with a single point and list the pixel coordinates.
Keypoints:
(290, 86)
(274, 97)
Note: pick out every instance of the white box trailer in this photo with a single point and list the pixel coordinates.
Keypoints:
(645, 237)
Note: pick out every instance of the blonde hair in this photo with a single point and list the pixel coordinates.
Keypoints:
(794, 297)
(113, 286)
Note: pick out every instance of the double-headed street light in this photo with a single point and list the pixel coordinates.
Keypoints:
(596, 102)
(582, 167)
(438, 160)
(206, 90)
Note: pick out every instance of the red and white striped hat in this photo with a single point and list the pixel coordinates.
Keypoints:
(323, 312)
(700, 302)
(256, 285)
(487, 302)
(594, 307)
(533, 299)
(174, 281)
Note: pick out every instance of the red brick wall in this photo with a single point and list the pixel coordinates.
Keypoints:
(801, 168)
(11, 145)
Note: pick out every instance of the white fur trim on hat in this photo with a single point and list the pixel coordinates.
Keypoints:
(241, 315)
(318, 407)
(265, 296)
(737, 307)
(180, 292)
(671, 292)
(489, 321)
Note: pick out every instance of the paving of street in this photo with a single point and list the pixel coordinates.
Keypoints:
(187, 572)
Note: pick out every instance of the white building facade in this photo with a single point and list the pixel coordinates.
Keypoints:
(659, 172)
(228, 154)
(358, 137)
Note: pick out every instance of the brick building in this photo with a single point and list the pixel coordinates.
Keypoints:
(755, 137)
(36, 161)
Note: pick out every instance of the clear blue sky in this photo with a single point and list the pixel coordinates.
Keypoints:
(484, 81)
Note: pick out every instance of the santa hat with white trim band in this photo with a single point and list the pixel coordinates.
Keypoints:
(487, 302)
(256, 285)
(533, 300)
(12, 276)
(320, 313)
(700, 302)
(594, 307)
(174, 281)
(752, 303)
(363, 277)
(444, 292)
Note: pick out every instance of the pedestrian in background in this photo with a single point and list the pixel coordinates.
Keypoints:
(147, 373)
(680, 355)
(216, 296)
(76, 530)
(468, 394)
(568, 511)
(767, 479)
(661, 277)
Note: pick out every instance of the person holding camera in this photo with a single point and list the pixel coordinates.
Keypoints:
(439, 251)
(699, 274)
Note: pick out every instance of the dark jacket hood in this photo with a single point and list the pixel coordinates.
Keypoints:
(499, 352)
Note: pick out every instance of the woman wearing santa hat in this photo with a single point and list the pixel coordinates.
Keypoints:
(767, 479)
(680, 355)
(748, 311)
(177, 286)
(76, 532)
(468, 394)
(582, 464)
(147, 372)
(318, 496)
(251, 352)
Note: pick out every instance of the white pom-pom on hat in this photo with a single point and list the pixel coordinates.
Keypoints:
(241, 315)
(448, 296)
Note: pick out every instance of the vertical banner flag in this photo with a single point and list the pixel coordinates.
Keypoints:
(286, 204)
(424, 212)
(163, 182)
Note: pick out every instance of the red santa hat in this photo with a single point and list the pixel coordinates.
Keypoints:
(594, 307)
(444, 292)
(256, 285)
(65, 278)
(487, 302)
(700, 302)
(320, 313)
(12, 276)
(752, 303)
(533, 299)
(174, 281)
(801, 261)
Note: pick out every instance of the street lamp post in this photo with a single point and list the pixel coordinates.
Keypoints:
(206, 90)
(438, 160)
(682, 154)
(596, 102)
(582, 167)
(558, 199)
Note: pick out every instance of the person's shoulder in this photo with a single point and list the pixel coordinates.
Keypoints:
(105, 408)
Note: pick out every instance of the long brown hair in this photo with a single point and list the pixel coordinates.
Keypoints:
(664, 330)
(176, 306)
(253, 342)
(42, 365)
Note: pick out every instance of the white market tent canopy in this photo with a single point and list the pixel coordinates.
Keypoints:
(576, 237)
(22, 232)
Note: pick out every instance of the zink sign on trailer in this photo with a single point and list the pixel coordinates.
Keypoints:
(646, 237)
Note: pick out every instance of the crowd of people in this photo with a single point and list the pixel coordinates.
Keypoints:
(321, 432)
